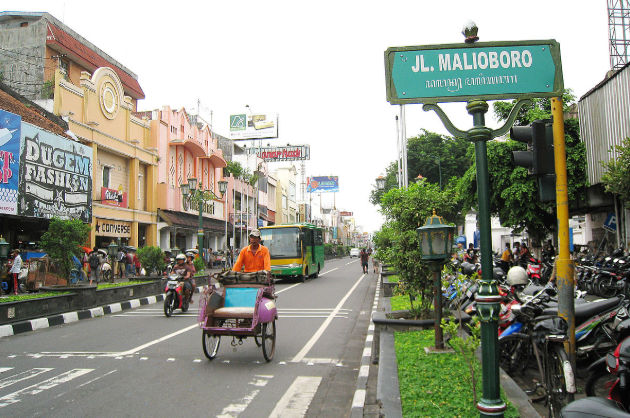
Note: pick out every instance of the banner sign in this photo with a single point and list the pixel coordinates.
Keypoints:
(109, 228)
(55, 176)
(113, 197)
(484, 70)
(323, 184)
(9, 161)
(345, 213)
(288, 153)
(262, 125)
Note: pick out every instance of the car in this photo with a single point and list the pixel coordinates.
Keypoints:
(355, 252)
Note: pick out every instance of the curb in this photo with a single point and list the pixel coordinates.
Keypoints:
(358, 401)
(69, 317)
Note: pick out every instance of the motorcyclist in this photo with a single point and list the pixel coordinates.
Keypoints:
(182, 269)
(190, 261)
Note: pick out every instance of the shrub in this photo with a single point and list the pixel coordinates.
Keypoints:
(64, 239)
(152, 259)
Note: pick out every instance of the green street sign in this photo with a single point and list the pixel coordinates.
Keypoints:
(463, 72)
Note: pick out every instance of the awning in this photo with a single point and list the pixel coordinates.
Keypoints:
(188, 221)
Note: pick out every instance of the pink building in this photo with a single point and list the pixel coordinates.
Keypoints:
(187, 149)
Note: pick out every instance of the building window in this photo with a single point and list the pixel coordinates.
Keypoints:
(63, 66)
(106, 176)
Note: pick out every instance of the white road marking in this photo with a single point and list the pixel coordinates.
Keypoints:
(299, 356)
(233, 410)
(14, 397)
(287, 288)
(11, 380)
(5, 369)
(97, 378)
(295, 401)
(159, 340)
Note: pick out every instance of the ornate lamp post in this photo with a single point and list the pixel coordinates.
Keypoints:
(436, 242)
(223, 184)
(192, 196)
(380, 182)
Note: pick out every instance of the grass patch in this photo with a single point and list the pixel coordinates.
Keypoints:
(434, 385)
(30, 296)
(393, 279)
(110, 285)
(400, 302)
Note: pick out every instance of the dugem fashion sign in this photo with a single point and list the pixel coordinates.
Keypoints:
(461, 72)
(55, 176)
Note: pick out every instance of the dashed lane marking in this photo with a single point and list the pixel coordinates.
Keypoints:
(15, 397)
(296, 400)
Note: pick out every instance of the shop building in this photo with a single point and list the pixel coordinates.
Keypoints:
(97, 96)
(187, 149)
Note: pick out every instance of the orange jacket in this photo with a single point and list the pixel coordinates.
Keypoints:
(253, 262)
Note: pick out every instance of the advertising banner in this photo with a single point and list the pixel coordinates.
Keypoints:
(261, 125)
(343, 213)
(323, 184)
(288, 153)
(110, 228)
(113, 197)
(9, 161)
(55, 176)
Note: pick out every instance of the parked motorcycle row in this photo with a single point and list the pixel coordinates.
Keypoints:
(531, 335)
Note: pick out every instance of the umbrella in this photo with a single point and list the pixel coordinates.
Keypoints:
(86, 250)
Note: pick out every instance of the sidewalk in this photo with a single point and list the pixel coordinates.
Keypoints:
(73, 316)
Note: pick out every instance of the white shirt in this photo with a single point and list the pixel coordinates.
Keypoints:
(17, 264)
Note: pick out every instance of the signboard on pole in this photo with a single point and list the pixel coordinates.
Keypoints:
(462, 72)
(322, 184)
(257, 126)
(288, 153)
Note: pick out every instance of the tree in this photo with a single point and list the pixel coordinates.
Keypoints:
(616, 178)
(513, 192)
(428, 154)
(397, 242)
(64, 239)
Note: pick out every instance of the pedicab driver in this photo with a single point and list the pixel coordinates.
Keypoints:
(254, 257)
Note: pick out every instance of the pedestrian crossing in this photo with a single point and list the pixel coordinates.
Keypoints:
(282, 313)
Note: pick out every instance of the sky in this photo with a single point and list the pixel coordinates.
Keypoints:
(319, 65)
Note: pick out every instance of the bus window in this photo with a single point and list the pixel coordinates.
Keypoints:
(282, 242)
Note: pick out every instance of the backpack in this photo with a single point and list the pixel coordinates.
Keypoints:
(93, 260)
(121, 257)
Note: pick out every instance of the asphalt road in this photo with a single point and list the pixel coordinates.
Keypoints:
(140, 363)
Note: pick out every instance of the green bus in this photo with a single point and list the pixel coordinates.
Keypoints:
(296, 250)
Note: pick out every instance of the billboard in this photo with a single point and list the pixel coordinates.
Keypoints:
(9, 161)
(255, 126)
(55, 176)
(343, 213)
(322, 184)
(288, 153)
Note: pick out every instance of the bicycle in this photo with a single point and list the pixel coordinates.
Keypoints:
(538, 341)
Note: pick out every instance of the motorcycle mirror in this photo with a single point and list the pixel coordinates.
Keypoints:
(612, 362)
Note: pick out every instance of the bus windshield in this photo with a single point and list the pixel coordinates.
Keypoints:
(282, 242)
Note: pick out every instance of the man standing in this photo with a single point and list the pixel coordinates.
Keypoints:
(121, 258)
(254, 257)
(364, 260)
(15, 270)
(95, 261)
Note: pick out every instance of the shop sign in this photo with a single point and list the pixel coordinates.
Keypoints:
(287, 153)
(342, 213)
(9, 161)
(55, 176)
(113, 197)
(322, 184)
(109, 228)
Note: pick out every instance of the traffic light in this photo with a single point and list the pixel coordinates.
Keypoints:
(539, 157)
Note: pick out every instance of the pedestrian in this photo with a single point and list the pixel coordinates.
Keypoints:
(211, 258)
(525, 254)
(15, 270)
(506, 257)
(364, 256)
(130, 263)
(471, 254)
(136, 263)
(548, 250)
(375, 264)
(121, 258)
(94, 262)
(516, 252)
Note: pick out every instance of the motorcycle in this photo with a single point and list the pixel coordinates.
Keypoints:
(177, 296)
(609, 380)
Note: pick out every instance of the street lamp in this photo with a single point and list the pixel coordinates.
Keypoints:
(191, 196)
(436, 242)
(223, 184)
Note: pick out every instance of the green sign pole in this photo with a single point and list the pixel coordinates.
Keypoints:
(475, 73)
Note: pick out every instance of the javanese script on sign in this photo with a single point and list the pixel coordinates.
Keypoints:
(429, 74)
